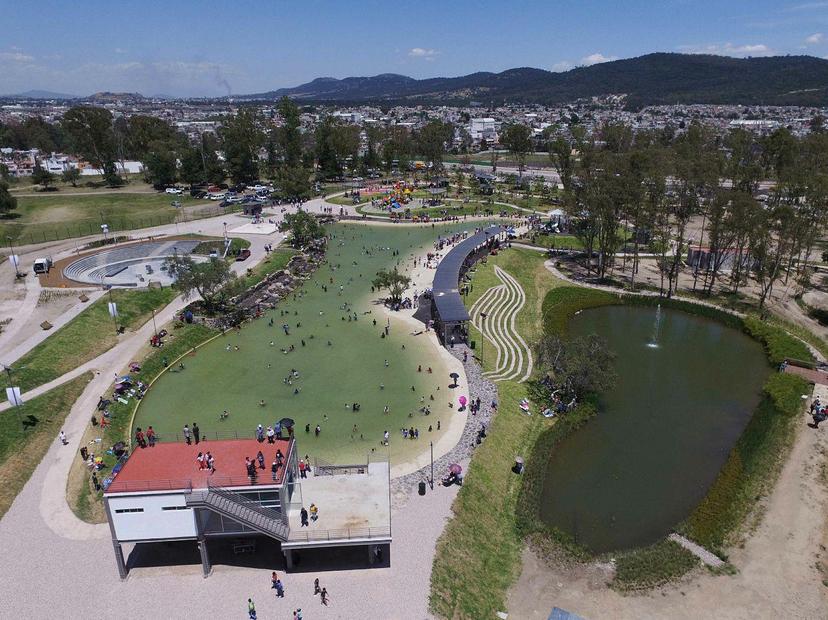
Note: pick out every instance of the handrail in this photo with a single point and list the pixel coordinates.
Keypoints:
(125, 486)
(247, 503)
(339, 534)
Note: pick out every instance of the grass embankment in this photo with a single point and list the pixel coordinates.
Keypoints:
(478, 554)
(22, 450)
(85, 337)
(82, 498)
(273, 262)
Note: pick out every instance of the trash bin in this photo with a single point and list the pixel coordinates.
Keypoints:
(472, 344)
(422, 486)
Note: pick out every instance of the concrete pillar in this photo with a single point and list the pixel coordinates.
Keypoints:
(288, 559)
(205, 558)
(370, 555)
(119, 559)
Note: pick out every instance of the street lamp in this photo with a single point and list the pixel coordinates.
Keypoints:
(431, 480)
(483, 316)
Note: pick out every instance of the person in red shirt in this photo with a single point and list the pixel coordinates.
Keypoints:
(302, 469)
(139, 438)
(151, 436)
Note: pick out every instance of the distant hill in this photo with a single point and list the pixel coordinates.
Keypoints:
(659, 78)
(40, 94)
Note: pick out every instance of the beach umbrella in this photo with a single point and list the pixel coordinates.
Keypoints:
(455, 469)
(462, 400)
(288, 422)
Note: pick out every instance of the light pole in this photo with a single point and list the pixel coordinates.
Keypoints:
(431, 480)
(483, 316)
(14, 259)
(154, 328)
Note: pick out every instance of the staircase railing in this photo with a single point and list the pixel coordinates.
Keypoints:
(248, 512)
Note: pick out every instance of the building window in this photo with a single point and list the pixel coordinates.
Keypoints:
(175, 508)
(122, 510)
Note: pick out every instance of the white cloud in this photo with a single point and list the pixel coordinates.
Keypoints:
(815, 39)
(563, 65)
(16, 57)
(728, 49)
(596, 58)
(421, 52)
(119, 50)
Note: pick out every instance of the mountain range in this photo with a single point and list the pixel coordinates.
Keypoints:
(660, 78)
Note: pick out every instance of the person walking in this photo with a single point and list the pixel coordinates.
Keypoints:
(260, 459)
(139, 438)
(303, 516)
(314, 512)
(63, 439)
(200, 460)
(196, 433)
(251, 609)
(316, 589)
(187, 437)
(302, 473)
(280, 589)
(274, 469)
(151, 436)
(323, 596)
(273, 579)
(211, 463)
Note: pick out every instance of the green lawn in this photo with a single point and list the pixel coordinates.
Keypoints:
(21, 450)
(217, 245)
(62, 215)
(85, 337)
(560, 242)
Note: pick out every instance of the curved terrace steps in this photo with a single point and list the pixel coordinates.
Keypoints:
(501, 304)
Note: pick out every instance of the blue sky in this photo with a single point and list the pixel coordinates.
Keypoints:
(206, 47)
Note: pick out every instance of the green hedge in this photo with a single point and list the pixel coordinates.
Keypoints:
(752, 466)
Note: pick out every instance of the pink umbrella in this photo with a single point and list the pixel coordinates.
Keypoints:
(455, 469)
(462, 400)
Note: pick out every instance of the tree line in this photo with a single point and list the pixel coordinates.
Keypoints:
(643, 188)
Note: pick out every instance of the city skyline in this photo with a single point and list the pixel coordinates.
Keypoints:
(198, 49)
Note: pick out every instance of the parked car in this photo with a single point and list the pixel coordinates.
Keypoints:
(220, 196)
(243, 255)
(174, 190)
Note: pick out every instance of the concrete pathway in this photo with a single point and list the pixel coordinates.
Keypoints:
(709, 558)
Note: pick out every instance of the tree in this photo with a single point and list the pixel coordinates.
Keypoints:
(192, 167)
(160, 166)
(459, 181)
(398, 146)
(580, 366)
(8, 202)
(345, 142)
(517, 137)
(89, 129)
(240, 140)
(42, 177)
(432, 139)
(144, 133)
(211, 279)
(394, 281)
(304, 228)
(292, 175)
(71, 175)
(326, 160)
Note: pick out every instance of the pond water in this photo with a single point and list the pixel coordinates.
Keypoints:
(351, 369)
(687, 387)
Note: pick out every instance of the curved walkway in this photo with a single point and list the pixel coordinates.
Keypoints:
(501, 305)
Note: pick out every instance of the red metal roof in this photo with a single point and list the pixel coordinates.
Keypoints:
(173, 465)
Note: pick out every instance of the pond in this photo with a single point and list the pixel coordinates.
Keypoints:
(687, 387)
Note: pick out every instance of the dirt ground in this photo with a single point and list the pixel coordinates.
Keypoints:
(781, 566)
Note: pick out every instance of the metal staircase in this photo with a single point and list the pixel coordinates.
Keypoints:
(273, 523)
